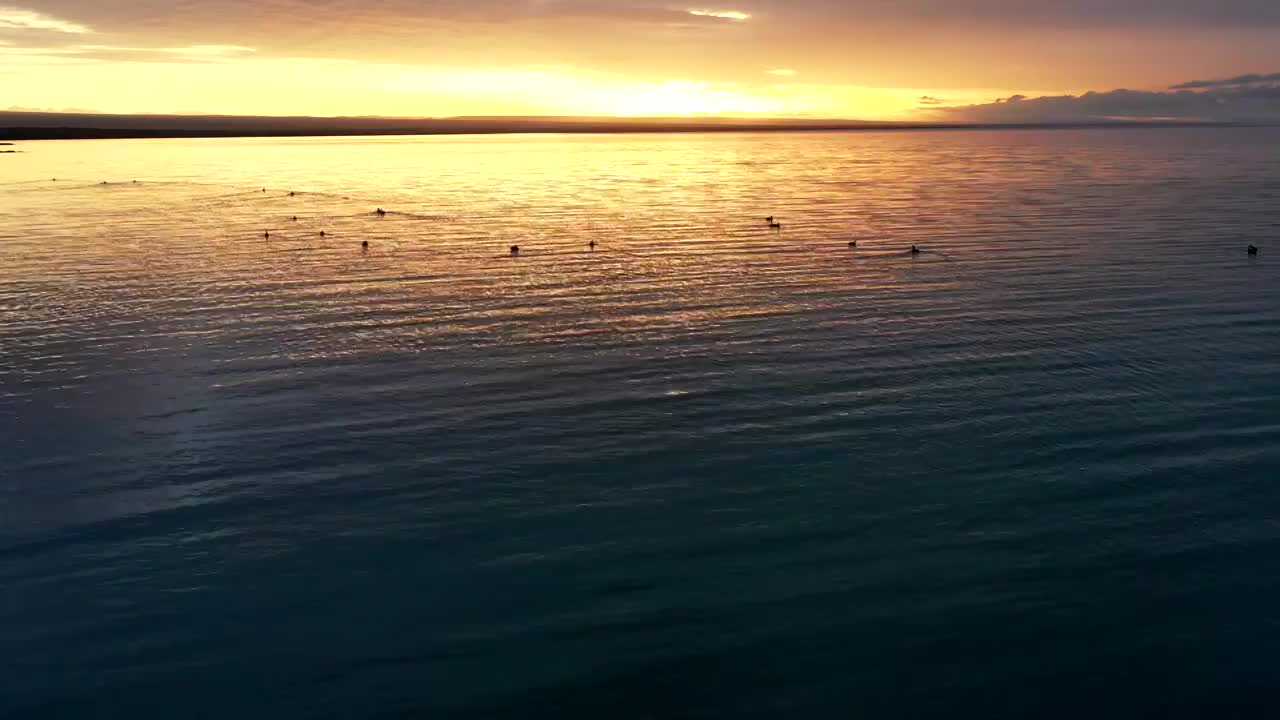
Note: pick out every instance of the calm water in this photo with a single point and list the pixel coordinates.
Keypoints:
(708, 470)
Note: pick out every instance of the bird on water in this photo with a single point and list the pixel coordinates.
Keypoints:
(915, 250)
(1253, 250)
(775, 225)
(380, 212)
(515, 250)
(592, 245)
(365, 244)
(853, 243)
(321, 233)
(267, 234)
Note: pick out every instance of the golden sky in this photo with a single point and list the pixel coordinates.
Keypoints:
(866, 59)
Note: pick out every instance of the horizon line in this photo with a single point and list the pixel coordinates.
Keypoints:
(40, 125)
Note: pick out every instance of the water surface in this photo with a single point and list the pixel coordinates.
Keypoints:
(707, 470)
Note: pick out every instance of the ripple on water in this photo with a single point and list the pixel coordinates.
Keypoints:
(465, 482)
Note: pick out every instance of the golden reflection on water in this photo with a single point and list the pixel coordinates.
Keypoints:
(177, 237)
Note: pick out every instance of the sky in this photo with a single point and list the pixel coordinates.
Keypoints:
(929, 60)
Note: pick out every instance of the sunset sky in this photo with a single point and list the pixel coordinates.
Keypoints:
(867, 59)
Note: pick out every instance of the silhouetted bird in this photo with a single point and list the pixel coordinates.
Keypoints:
(853, 243)
(769, 219)
(592, 245)
(365, 244)
(267, 234)
(291, 193)
(515, 250)
(321, 233)
(915, 250)
(264, 189)
(295, 218)
(775, 225)
(1253, 250)
(380, 212)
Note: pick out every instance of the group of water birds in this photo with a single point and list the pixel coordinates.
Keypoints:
(773, 222)
(515, 249)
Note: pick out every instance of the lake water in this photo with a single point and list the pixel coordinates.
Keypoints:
(708, 470)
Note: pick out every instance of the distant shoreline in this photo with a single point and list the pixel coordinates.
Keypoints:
(64, 126)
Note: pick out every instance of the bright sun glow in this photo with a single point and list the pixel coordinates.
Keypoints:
(236, 81)
(685, 98)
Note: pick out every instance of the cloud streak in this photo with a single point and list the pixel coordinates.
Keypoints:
(13, 18)
(124, 15)
(88, 54)
(1248, 98)
(734, 15)
(1235, 82)
(1057, 13)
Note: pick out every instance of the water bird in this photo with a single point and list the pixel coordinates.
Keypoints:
(267, 234)
(769, 219)
(775, 225)
(592, 245)
(515, 250)
(291, 193)
(295, 218)
(321, 233)
(853, 243)
(380, 212)
(365, 244)
(915, 250)
(1253, 250)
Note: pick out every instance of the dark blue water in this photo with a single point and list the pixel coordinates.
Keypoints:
(708, 470)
